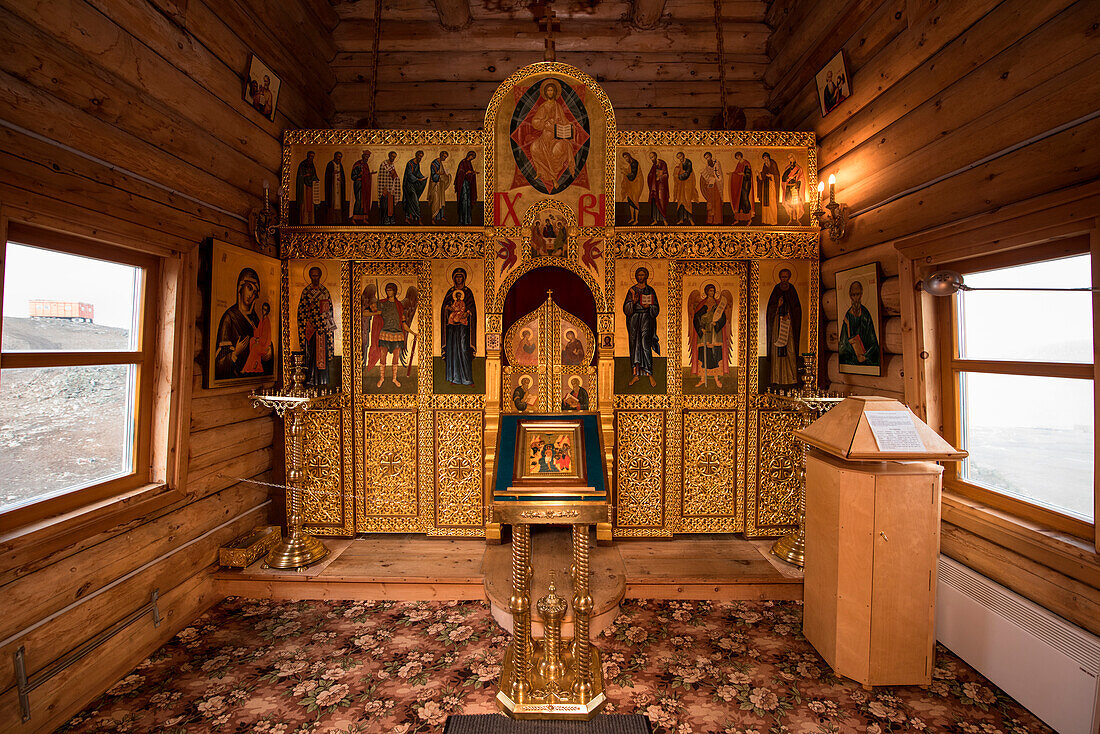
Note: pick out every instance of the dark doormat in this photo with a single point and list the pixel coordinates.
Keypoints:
(501, 724)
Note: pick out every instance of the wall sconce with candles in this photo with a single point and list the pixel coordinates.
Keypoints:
(836, 221)
(264, 225)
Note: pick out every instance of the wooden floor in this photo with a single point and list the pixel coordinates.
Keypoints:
(412, 567)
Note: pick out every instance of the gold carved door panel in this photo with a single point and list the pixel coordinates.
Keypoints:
(640, 473)
(389, 501)
(712, 482)
(327, 508)
(772, 505)
(460, 472)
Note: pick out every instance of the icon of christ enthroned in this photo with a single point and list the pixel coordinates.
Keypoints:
(550, 137)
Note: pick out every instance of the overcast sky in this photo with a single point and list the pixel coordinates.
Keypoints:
(1039, 326)
(32, 273)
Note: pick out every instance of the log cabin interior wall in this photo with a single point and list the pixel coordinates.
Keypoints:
(958, 111)
(123, 121)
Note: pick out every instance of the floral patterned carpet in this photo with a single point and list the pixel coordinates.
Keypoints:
(403, 667)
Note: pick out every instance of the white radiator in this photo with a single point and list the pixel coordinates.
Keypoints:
(1047, 664)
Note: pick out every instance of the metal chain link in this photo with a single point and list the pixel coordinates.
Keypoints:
(372, 110)
(721, 65)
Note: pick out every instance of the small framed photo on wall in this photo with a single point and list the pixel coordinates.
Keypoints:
(860, 314)
(833, 86)
(241, 292)
(261, 88)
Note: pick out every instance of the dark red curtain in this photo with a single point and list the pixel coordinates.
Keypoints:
(570, 292)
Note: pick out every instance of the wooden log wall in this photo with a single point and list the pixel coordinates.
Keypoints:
(123, 121)
(659, 77)
(957, 109)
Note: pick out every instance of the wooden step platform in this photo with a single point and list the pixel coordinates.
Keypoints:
(715, 567)
(403, 567)
(552, 549)
(413, 567)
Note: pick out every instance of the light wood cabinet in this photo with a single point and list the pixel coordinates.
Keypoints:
(872, 542)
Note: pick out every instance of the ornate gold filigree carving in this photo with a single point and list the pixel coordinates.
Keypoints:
(390, 244)
(709, 244)
(712, 481)
(549, 514)
(459, 455)
(639, 470)
(382, 137)
(389, 499)
(778, 459)
(755, 138)
(497, 301)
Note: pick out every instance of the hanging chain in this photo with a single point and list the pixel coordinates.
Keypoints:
(372, 122)
(721, 65)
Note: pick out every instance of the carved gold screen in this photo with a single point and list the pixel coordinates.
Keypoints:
(700, 449)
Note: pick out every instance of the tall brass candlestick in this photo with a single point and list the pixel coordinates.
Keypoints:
(299, 549)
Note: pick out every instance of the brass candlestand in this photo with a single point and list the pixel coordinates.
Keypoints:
(811, 404)
(299, 549)
(542, 678)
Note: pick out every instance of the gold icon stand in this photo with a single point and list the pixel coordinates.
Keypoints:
(299, 549)
(542, 678)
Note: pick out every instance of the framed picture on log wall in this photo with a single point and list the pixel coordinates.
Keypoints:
(832, 84)
(241, 291)
(261, 88)
(861, 322)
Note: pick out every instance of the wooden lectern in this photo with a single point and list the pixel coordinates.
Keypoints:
(873, 540)
(550, 472)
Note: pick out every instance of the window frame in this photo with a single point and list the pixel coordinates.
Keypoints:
(144, 359)
(951, 366)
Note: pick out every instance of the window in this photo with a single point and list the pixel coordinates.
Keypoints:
(76, 368)
(1018, 388)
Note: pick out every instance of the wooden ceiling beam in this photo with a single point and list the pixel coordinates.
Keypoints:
(462, 95)
(733, 11)
(476, 65)
(454, 15)
(674, 35)
(646, 14)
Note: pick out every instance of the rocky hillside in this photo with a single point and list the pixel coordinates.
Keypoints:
(61, 427)
(34, 335)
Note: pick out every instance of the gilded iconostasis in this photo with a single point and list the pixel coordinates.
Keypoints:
(549, 263)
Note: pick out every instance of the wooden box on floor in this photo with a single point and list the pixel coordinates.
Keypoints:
(872, 540)
(872, 544)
